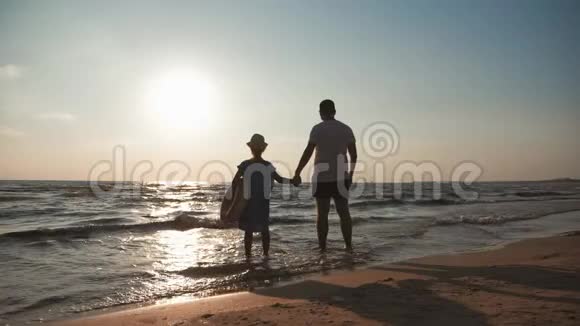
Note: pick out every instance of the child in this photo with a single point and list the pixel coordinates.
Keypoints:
(255, 177)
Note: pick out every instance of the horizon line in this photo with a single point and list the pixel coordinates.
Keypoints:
(562, 179)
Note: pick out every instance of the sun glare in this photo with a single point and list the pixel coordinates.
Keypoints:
(181, 98)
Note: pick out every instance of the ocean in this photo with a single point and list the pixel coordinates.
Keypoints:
(65, 251)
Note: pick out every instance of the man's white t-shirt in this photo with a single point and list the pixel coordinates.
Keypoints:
(331, 138)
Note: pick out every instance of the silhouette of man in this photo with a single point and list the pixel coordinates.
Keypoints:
(332, 176)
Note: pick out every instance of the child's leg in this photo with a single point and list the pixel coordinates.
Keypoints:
(248, 238)
(266, 241)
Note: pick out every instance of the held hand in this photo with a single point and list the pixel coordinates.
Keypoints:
(296, 181)
(348, 180)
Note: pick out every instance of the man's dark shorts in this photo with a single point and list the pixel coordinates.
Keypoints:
(331, 189)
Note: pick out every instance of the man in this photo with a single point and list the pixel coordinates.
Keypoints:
(331, 179)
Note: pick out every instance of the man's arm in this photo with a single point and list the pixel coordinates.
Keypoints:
(353, 156)
(304, 159)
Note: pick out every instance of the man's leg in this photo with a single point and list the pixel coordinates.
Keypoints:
(323, 207)
(248, 239)
(266, 241)
(345, 220)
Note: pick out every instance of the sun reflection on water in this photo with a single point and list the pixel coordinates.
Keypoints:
(180, 249)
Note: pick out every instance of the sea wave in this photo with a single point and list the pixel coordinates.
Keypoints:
(186, 221)
(16, 198)
(289, 220)
(38, 304)
(391, 202)
(214, 270)
(376, 202)
(540, 193)
(495, 219)
(110, 220)
(297, 205)
(80, 213)
(81, 193)
(416, 202)
(182, 222)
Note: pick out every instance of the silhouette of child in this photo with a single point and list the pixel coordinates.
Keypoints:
(255, 175)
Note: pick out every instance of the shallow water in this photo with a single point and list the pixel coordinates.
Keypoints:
(64, 250)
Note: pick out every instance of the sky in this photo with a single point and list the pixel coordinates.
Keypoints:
(492, 82)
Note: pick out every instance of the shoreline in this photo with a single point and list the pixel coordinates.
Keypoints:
(528, 281)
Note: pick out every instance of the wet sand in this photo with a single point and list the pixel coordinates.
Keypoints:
(532, 282)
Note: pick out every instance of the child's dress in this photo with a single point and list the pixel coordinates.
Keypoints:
(257, 187)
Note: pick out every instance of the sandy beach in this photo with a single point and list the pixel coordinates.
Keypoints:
(532, 282)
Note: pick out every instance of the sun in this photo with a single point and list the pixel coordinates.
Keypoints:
(181, 98)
